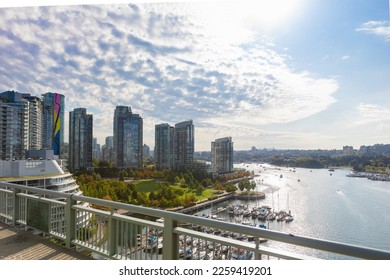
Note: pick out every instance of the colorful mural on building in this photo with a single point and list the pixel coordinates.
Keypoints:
(57, 124)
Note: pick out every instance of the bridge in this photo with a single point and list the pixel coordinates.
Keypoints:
(86, 227)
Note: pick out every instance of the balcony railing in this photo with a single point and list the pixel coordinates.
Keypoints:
(115, 230)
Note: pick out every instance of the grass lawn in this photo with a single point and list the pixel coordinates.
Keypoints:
(147, 185)
(206, 194)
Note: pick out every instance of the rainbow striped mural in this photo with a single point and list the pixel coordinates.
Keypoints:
(57, 123)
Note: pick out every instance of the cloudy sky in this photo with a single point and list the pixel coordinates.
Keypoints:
(300, 74)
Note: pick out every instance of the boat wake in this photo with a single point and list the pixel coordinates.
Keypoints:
(340, 193)
(354, 211)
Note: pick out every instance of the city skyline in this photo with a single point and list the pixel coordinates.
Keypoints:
(309, 74)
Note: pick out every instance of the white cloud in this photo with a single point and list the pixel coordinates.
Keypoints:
(372, 113)
(161, 60)
(379, 28)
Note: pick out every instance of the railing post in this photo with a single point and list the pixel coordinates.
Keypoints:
(112, 234)
(257, 253)
(16, 204)
(70, 219)
(171, 240)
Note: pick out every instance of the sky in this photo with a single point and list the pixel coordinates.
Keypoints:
(285, 74)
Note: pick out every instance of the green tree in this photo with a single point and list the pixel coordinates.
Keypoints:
(218, 186)
(164, 203)
(241, 185)
(199, 189)
(142, 198)
(152, 196)
(251, 186)
(230, 187)
(188, 200)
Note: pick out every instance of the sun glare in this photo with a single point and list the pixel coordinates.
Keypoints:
(232, 21)
(267, 13)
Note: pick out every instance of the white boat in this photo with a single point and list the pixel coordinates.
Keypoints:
(271, 216)
(289, 218)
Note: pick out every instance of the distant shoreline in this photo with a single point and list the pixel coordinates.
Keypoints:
(371, 176)
(374, 176)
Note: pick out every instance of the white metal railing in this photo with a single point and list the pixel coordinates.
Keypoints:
(121, 231)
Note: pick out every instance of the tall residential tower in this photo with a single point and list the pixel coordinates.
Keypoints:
(14, 125)
(128, 138)
(53, 122)
(164, 146)
(35, 121)
(184, 145)
(222, 155)
(80, 139)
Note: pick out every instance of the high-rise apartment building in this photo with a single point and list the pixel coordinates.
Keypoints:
(164, 146)
(96, 151)
(53, 122)
(80, 139)
(35, 121)
(107, 149)
(146, 151)
(222, 155)
(109, 141)
(128, 138)
(184, 145)
(14, 125)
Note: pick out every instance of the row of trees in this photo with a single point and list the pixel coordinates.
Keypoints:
(234, 175)
(370, 164)
(246, 185)
(146, 173)
(116, 190)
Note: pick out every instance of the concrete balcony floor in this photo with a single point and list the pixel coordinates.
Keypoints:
(18, 244)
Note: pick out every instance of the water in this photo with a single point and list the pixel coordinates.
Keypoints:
(326, 205)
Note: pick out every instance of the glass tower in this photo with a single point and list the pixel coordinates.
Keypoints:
(128, 138)
(14, 125)
(222, 155)
(80, 139)
(184, 145)
(163, 149)
(53, 122)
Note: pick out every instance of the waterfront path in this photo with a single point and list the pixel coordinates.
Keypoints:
(18, 244)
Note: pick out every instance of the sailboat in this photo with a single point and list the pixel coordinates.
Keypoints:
(272, 214)
(288, 218)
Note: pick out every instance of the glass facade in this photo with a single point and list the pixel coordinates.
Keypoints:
(164, 144)
(53, 121)
(80, 139)
(128, 138)
(222, 155)
(14, 125)
(184, 145)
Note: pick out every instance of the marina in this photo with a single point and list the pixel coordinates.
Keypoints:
(196, 249)
(191, 248)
